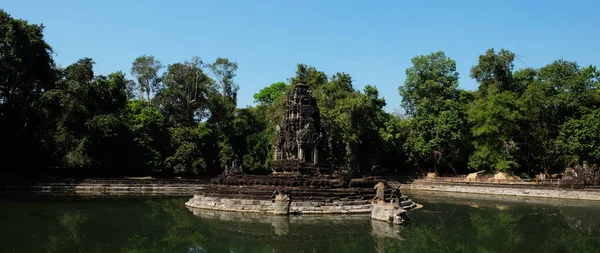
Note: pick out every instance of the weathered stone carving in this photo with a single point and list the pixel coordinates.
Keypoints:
(389, 213)
(234, 169)
(300, 143)
(380, 188)
(281, 202)
(395, 211)
(396, 197)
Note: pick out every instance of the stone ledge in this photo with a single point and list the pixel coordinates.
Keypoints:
(264, 206)
(508, 191)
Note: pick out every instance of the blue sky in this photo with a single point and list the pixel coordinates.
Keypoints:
(373, 41)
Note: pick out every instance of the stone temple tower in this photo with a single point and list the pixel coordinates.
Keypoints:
(300, 145)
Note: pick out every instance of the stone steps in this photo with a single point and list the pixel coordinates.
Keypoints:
(104, 189)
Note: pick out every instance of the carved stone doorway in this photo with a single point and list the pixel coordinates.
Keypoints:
(308, 154)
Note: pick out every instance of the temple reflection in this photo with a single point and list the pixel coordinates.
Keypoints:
(292, 231)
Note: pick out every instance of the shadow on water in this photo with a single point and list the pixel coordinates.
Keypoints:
(445, 224)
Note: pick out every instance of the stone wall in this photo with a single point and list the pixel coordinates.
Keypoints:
(513, 190)
(266, 206)
(112, 187)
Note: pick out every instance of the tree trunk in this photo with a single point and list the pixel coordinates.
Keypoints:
(452, 167)
(148, 95)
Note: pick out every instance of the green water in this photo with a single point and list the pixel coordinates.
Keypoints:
(445, 224)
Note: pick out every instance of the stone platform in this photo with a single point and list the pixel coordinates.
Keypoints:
(267, 206)
(291, 195)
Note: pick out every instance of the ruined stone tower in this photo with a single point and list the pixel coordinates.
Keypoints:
(300, 142)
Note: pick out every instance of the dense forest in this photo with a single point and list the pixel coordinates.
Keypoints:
(182, 118)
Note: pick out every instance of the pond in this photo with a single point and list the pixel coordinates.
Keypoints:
(447, 223)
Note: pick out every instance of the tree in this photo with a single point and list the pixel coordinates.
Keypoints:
(309, 75)
(555, 94)
(27, 70)
(187, 145)
(224, 72)
(150, 136)
(431, 98)
(268, 95)
(580, 138)
(145, 69)
(185, 93)
(494, 113)
(85, 122)
(222, 104)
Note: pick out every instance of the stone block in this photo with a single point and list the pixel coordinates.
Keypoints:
(246, 201)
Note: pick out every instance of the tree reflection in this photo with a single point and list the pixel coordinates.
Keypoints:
(67, 233)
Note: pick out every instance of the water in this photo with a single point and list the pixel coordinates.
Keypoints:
(447, 223)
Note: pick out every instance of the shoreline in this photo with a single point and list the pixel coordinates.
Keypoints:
(191, 187)
(531, 191)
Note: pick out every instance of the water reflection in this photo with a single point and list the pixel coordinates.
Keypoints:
(294, 233)
(445, 224)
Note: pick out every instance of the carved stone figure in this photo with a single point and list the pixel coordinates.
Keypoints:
(281, 202)
(380, 191)
(396, 197)
(234, 169)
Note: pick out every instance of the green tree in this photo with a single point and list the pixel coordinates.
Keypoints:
(187, 144)
(580, 138)
(85, 120)
(185, 93)
(222, 105)
(494, 113)
(268, 95)
(145, 70)
(27, 70)
(555, 94)
(431, 98)
(150, 137)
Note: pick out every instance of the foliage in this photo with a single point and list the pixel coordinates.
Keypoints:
(580, 138)
(270, 94)
(430, 95)
(145, 69)
(186, 121)
(493, 114)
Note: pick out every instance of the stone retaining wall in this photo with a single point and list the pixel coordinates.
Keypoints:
(266, 206)
(114, 187)
(581, 194)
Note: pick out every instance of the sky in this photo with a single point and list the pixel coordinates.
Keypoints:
(373, 41)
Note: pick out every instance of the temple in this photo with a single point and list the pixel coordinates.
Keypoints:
(302, 181)
(300, 145)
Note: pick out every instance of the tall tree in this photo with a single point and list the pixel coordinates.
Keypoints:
(431, 98)
(26, 71)
(224, 72)
(185, 93)
(85, 118)
(145, 70)
(222, 105)
(494, 114)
